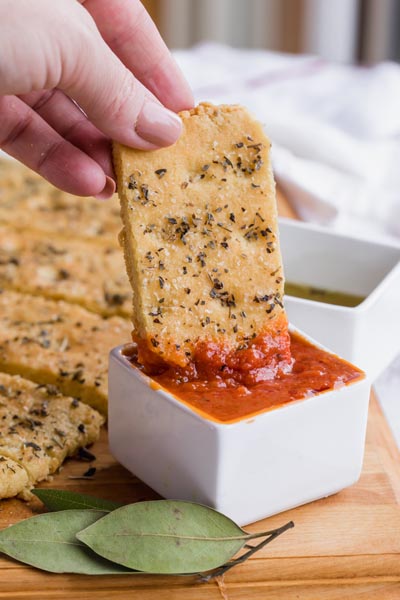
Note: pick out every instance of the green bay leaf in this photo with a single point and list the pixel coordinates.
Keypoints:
(165, 537)
(66, 500)
(49, 542)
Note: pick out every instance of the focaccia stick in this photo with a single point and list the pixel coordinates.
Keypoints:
(59, 343)
(65, 269)
(27, 201)
(39, 428)
(201, 241)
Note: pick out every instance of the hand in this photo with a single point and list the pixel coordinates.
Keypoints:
(74, 75)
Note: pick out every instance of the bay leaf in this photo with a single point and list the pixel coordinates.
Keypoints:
(49, 542)
(165, 537)
(66, 500)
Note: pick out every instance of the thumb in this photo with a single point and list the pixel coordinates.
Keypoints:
(112, 98)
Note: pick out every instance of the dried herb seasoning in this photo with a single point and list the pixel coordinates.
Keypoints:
(90, 472)
(84, 454)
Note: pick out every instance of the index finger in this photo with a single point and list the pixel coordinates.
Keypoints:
(130, 32)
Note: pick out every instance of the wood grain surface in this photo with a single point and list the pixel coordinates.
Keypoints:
(344, 546)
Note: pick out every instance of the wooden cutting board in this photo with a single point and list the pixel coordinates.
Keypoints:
(345, 546)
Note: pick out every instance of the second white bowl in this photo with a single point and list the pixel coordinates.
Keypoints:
(368, 334)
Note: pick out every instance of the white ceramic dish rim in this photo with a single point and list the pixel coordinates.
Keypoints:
(135, 372)
(378, 289)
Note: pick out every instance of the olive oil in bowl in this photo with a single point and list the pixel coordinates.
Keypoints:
(309, 292)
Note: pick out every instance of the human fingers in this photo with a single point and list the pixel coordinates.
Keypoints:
(28, 138)
(112, 98)
(63, 115)
(130, 32)
(60, 47)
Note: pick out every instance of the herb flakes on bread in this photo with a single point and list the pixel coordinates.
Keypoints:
(201, 241)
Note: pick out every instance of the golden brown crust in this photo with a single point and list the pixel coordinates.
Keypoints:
(65, 269)
(39, 428)
(200, 235)
(58, 343)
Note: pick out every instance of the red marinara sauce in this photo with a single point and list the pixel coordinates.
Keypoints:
(227, 400)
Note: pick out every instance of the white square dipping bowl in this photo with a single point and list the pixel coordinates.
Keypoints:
(367, 335)
(249, 469)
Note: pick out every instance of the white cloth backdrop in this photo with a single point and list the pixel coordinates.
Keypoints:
(335, 133)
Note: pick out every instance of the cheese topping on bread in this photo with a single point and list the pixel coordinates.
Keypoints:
(201, 241)
(39, 428)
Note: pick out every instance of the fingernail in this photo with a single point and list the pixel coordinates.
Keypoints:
(108, 189)
(158, 125)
